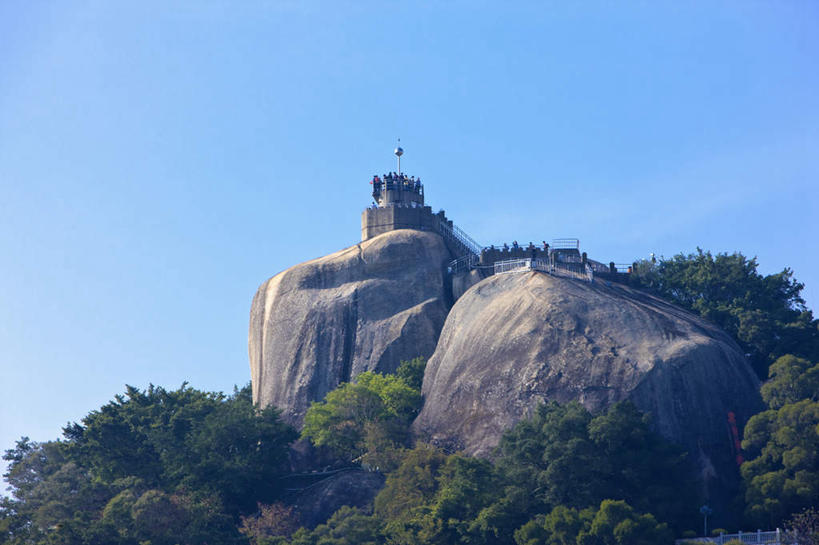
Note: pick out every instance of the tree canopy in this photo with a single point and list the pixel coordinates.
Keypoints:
(781, 474)
(368, 419)
(766, 314)
(610, 465)
(613, 523)
(564, 455)
(154, 466)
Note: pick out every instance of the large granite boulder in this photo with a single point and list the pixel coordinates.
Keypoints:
(515, 340)
(364, 308)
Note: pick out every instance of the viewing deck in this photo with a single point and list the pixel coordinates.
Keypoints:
(398, 203)
(397, 189)
(561, 258)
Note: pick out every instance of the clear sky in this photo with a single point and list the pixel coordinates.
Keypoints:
(160, 160)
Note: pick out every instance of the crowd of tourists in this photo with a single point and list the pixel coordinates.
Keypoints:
(393, 180)
(516, 246)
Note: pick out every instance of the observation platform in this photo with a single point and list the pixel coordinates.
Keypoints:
(398, 203)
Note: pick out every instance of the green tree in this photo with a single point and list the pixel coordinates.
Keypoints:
(560, 527)
(765, 314)
(792, 379)
(564, 456)
(368, 416)
(412, 372)
(433, 498)
(186, 438)
(158, 518)
(561, 461)
(649, 472)
(550, 458)
(466, 487)
(803, 528)
(412, 485)
(347, 526)
(276, 520)
(612, 523)
(236, 452)
(781, 474)
(49, 491)
(161, 518)
(201, 460)
(404, 505)
(617, 523)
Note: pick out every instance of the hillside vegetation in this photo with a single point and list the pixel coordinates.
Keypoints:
(766, 315)
(158, 466)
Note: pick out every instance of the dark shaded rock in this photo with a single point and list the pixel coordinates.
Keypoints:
(354, 487)
(304, 457)
(364, 308)
(515, 340)
(463, 281)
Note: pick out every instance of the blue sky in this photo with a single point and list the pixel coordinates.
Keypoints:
(160, 160)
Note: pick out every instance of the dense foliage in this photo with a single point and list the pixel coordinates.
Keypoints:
(765, 314)
(153, 466)
(803, 528)
(613, 523)
(610, 474)
(782, 443)
(566, 456)
(368, 420)
(270, 521)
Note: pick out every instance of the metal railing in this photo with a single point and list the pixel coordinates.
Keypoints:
(753, 538)
(566, 244)
(568, 264)
(513, 265)
(460, 237)
(463, 264)
(579, 271)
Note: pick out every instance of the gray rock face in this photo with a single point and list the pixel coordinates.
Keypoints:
(356, 488)
(462, 282)
(364, 308)
(515, 340)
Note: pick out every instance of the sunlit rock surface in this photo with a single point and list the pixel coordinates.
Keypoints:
(364, 308)
(515, 340)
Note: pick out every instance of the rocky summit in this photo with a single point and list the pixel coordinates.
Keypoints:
(510, 342)
(515, 340)
(365, 308)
